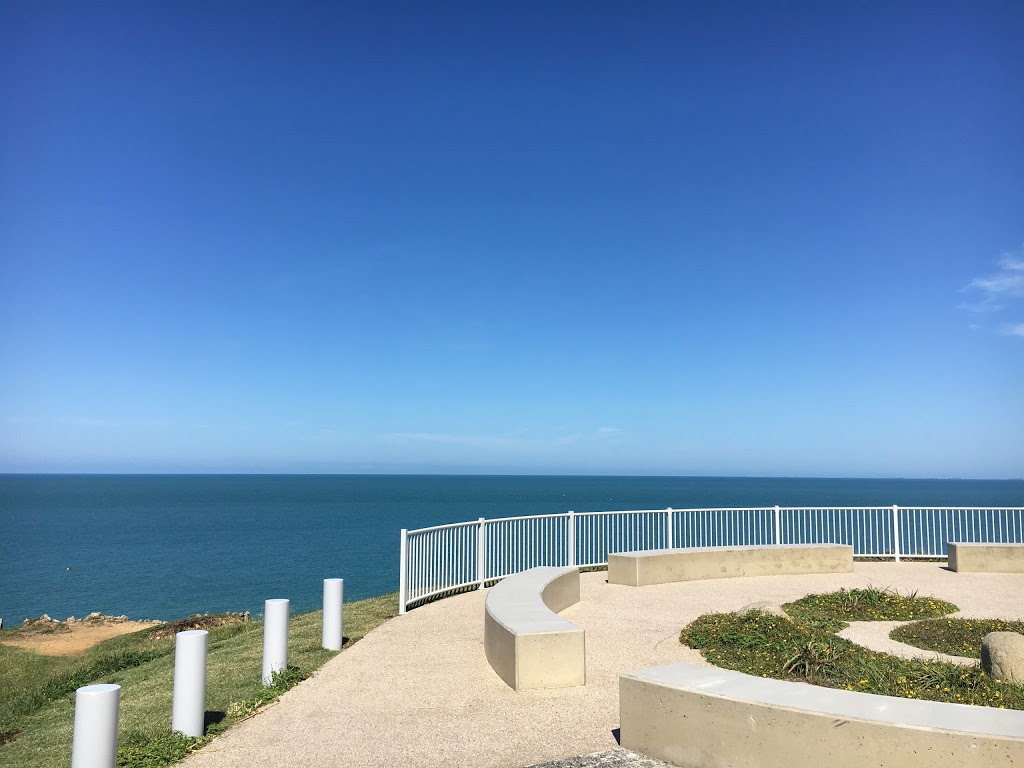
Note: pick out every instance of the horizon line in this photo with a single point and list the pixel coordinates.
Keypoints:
(173, 473)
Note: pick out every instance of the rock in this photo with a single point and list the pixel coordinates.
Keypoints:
(94, 615)
(764, 606)
(70, 620)
(1002, 656)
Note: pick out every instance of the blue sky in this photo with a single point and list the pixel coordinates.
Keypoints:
(641, 238)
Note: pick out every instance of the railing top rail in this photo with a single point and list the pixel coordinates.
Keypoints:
(626, 512)
(443, 527)
(726, 509)
(551, 516)
(968, 509)
(877, 508)
(874, 508)
(743, 509)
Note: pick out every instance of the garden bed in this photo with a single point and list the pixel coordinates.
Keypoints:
(805, 648)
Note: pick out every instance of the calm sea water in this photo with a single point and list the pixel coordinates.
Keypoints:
(165, 546)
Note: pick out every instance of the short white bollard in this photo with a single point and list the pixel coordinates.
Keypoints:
(275, 639)
(188, 710)
(94, 744)
(334, 591)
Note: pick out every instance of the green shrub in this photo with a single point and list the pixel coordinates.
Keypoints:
(833, 610)
(956, 637)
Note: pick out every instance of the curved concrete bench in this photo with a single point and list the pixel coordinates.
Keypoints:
(527, 643)
(660, 566)
(985, 558)
(703, 716)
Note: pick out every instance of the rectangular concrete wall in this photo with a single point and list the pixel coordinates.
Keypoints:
(662, 566)
(699, 729)
(986, 558)
(538, 659)
(551, 660)
(500, 649)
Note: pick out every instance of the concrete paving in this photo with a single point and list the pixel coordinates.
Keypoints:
(417, 691)
(875, 635)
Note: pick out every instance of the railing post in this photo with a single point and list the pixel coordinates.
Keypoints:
(403, 573)
(896, 530)
(668, 528)
(188, 707)
(333, 634)
(778, 525)
(571, 538)
(481, 552)
(94, 741)
(275, 638)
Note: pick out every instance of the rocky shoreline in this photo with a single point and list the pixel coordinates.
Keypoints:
(44, 620)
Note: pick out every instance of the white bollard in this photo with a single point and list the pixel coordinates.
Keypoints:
(275, 639)
(334, 591)
(188, 710)
(94, 744)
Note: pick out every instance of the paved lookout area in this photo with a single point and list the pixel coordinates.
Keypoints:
(418, 692)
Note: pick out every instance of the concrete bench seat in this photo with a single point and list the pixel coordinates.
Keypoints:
(526, 642)
(704, 717)
(985, 558)
(660, 566)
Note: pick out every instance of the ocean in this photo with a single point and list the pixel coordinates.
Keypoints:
(166, 546)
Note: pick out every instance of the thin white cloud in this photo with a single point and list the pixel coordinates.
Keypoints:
(1007, 283)
(998, 291)
(608, 431)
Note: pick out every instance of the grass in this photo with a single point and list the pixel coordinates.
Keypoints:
(956, 637)
(37, 700)
(833, 610)
(806, 650)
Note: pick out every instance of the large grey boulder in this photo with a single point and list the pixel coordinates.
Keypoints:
(1002, 656)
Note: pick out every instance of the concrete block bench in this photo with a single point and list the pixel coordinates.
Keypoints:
(660, 566)
(526, 642)
(705, 717)
(990, 558)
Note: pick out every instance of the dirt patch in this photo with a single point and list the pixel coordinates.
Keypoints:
(69, 638)
(206, 621)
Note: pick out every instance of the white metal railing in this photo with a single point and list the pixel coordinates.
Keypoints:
(449, 558)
